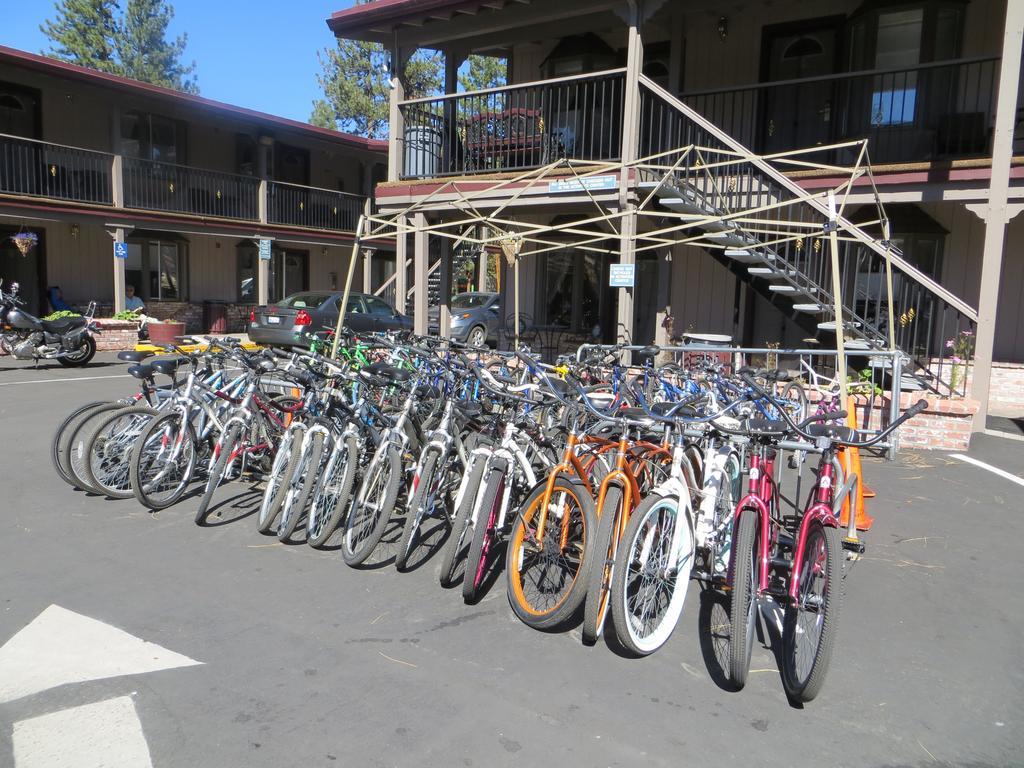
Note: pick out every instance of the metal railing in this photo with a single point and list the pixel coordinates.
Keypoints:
(157, 186)
(312, 207)
(40, 169)
(515, 127)
(938, 110)
(926, 314)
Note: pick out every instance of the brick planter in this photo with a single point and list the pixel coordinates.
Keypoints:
(116, 335)
(945, 425)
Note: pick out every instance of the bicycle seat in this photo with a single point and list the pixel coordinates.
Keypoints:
(385, 371)
(674, 409)
(636, 415)
(133, 357)
(650, 351)
(167, 365)
(141, 371)
(836, 432)
(469, 409)
(767, 426)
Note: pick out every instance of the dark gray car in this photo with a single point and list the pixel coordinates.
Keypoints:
(476, 317)
(291, 320)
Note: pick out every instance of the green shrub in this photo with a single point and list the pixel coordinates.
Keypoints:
(60, 315)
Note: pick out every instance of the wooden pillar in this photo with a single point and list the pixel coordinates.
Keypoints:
(119, 264)
(997, 219)
(630, 145)
(396, 123)
(421, 265)
(401, 266)
(445, 290)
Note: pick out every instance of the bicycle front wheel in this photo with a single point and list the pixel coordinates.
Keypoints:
(279, 479)
(109, 449)
(224, 451)
(455, 548)
(421, 505)
(545, 584)
(811, 625)
(333, 494)
(651, 576)
(601, 567)
(305, 479)
(163, 461)
(373, 507)
(485, 534)
(743, 610)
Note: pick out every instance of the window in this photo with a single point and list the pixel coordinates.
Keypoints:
(248, 273)
(152, 137)
(157, 269)
(898, 47)
(378, 307)
(573, 290)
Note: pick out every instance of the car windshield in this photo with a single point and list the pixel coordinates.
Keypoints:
(304, 300)
(470, 300)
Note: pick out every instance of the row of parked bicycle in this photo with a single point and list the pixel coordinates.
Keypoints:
(598, 488)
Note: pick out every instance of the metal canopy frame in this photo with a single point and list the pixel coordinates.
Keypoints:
(479, 214)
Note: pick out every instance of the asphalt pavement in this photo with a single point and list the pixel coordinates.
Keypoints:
(226, 648)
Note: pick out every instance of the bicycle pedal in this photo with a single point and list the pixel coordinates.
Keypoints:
(855, 546)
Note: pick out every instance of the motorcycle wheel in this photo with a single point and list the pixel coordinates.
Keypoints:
(82, 355)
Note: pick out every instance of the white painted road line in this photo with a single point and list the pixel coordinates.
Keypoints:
(60, 647)
(107, 734)
(994, 470)
(74, 378)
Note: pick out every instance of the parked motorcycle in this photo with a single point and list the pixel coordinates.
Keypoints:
(68, 340)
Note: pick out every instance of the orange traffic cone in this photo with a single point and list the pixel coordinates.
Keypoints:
(851, 463)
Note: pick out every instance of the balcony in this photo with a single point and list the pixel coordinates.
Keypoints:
(513, 128)
(153, 186)
(38, 169)
(943, 110)
(312, 207)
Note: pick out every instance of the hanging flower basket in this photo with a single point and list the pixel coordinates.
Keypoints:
(25, 241)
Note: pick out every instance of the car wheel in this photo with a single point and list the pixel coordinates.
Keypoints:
(477, 336)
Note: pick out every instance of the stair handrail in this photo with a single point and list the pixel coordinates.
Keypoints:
(780, 178)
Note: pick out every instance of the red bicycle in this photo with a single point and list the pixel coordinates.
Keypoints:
(794, 560)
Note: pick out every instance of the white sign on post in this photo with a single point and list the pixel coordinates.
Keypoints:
(621, 275)
(265, 249)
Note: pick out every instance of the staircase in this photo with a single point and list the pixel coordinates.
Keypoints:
(760, 224)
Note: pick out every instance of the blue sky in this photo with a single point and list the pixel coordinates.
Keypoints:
(259, 54)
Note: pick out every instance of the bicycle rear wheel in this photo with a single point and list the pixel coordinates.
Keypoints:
(60, 449)
(650, 580)
(812, 623)
(545, 584)
(743, 609)
(78, 443)
(601, 567)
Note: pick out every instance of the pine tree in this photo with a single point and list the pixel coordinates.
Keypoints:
(483, 72)
(354, 79)
(145, 52)
(84, 32)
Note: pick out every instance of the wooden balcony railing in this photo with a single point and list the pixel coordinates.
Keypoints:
(41, 169)
(155, 186)
(312, 207)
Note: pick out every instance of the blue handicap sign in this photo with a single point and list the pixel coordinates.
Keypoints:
(121, 250)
